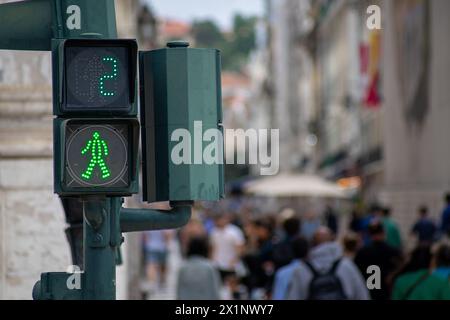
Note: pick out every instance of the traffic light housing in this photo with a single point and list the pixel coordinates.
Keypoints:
(96, 132)
(180, 88)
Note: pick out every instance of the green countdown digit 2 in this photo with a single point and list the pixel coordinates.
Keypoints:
(108, 76)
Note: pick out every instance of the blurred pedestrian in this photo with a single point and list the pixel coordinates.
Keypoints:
(310, 224)
(227, 242)
(445, 224)
(375, 212)
(283, 253)
(393, 237)
(198, 279)
(351, 243)
(427, 284)
(208, 220)
(193, 229)
(327, 274)
(283, 277)
(379, 253)
(156, 251)
(255, 274)
(331, 220)
(265, 258)
(282, 217)
(425, 229)
(419, 258)
(356, 222)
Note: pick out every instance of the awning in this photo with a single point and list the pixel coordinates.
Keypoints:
(295, 185)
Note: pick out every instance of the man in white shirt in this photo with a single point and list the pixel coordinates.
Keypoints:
(227, 242)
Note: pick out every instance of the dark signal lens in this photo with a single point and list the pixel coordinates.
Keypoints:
(97, 77)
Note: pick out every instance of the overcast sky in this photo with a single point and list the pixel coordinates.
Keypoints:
(220, 10)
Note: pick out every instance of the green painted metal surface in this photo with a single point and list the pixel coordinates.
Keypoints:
(27, 25)
(97, 17)
(100, 244)
(101, 224)
(132, 220)
(32, 24)
(53, 286)
(179, 87)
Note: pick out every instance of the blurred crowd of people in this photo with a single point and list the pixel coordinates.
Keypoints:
(235, 254)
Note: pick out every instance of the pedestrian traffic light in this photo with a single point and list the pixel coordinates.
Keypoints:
(96, 132)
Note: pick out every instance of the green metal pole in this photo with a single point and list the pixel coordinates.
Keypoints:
(100, 244)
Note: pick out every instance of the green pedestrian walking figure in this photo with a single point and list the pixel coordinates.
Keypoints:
(98, 149)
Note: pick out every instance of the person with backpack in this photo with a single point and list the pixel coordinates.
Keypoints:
(326, 274)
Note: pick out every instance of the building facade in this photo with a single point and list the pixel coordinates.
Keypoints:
(286, 101)
(416, 72)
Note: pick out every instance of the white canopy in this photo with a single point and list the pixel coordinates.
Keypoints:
(295, 185)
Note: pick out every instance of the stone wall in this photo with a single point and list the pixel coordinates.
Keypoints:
(32, 238)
